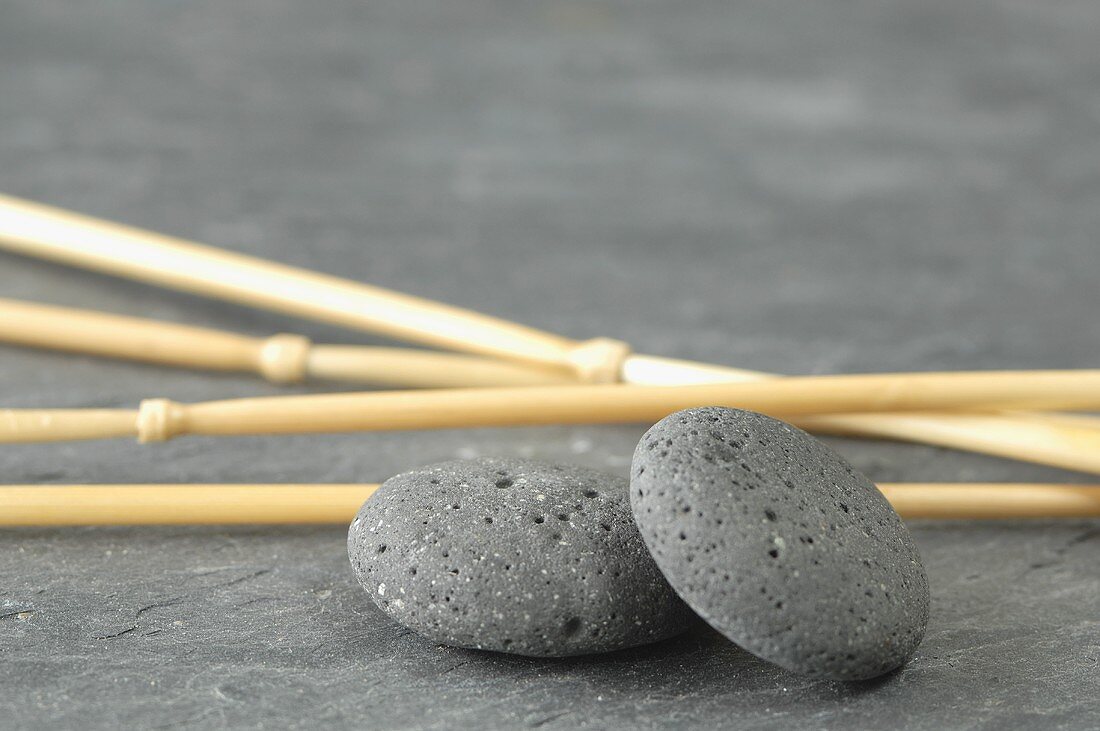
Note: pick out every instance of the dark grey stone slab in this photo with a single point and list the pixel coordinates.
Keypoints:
(800, 187)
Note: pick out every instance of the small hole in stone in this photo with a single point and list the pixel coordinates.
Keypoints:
(774, 553)
(488, 519)
(556, 537)
(505, 483)
(563, 516)
(540, 519)
(412, 571)
(434, 481)
(770, 515)
(605, 526)
(382, 548)
(683, 536)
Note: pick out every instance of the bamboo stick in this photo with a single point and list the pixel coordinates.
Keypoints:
(1057, 418)
(1067, 441)
(63, 425)
(408, 368)
(1023, 436)
(51, 233)
(44, 505)
(975, 501)
(133, 338)
(160, 419)
(282, 358)
(652, 370)
(229, 504)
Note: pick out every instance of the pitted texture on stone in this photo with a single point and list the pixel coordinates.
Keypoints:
(779, 544)
(516, 556)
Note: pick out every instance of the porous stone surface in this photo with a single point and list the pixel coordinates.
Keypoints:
(779, 544)
(517, 556)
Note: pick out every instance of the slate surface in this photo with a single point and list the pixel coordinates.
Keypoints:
(798, 187)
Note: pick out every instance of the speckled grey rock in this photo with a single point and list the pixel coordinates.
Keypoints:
(780, 545)
(516, 556)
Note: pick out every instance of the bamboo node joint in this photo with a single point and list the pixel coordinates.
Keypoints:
(599, 360)
(159, 420)
(283, 358)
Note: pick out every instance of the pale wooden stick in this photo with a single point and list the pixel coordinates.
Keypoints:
(407, 368)
(133, 338)
(64, 425)
(1057, 418)
(282, 358)
(42, 505)
(1024, 436)
(652, 370)
(160, 419)
(227, 504)
(1067, 441)
(51, 233)
(967, 501)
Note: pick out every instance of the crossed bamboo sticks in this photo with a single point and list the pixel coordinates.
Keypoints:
(1044, 438)
(964, 410)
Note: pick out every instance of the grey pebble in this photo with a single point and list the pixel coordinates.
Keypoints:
(515, 556)
(779, 544)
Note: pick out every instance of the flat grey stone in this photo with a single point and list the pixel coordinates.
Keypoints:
(511, 555)
(779, 544)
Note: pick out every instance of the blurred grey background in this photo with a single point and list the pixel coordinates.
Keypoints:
(804, 187)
